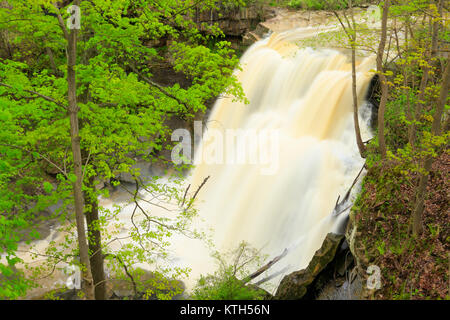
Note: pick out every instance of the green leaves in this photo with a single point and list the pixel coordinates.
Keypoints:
(123, 117)
(71, 177)
(48, 187)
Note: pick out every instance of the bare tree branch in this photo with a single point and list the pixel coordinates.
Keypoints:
(266, 267)
(61, 20)
(37, 94)
(196, 192)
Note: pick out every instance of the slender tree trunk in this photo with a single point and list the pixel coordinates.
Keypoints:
(95, 241)
(359, 142)
(7, 45)
(436, 130)
(419, 105)
(383, 80)
(406, 90)
(87, 283)
(51, 58)
(437, 24)
(425, 76)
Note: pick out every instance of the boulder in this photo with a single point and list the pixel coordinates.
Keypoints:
(295, 285)
(250, 38)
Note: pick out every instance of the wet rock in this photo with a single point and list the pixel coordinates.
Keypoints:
(250, 38)
(262, 30)
(295, 285)
(349, 289)
(259, 33)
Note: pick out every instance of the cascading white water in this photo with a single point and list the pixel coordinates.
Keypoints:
(286, 201)
(305, 96)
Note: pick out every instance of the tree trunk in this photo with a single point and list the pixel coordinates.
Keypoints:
(419, 105)
(383, 80)
(87, 283)
(425, 75)
(51, 59)
(436, 130)
(360, 143)
(7, 45)
(361, 146)
(95, 242)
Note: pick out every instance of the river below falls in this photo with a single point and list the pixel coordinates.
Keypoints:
(303, 97)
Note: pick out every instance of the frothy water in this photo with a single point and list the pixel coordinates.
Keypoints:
(303, 95)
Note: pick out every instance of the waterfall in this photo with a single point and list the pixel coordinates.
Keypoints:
(277, 187)
(305, 97)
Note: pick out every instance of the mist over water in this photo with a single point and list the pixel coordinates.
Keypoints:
(304, 95)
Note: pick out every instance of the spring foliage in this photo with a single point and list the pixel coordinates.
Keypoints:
(123, 110)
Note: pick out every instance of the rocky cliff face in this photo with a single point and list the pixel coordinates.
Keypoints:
(235, 22)
(295, 285)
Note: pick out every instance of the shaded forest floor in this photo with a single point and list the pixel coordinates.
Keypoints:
(411, 268)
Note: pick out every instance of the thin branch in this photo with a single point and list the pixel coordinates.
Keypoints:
(40, 155)
(158, 86)
(37, 94)
(126, 270)
(185, 193)
(188, 8)
(266, 267)
(61, 21)
(342, 24)
(346, 19)
(87, 161)
(354, 182)
(347, 195)
(196, 192)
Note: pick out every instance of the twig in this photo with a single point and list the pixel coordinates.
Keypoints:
(185, 193)
(61, 21)
(347, 195)
(196, 192)
(126, 270)
(271, 276)
(266, 267)
(40, 155)
(354, 182)
(87, 161)
(158, 86)
(37, 94)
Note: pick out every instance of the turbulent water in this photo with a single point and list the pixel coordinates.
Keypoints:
(300, 130)
(304, 98)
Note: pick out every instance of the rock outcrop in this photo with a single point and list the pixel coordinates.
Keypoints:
(235, 21)
(295, 285)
